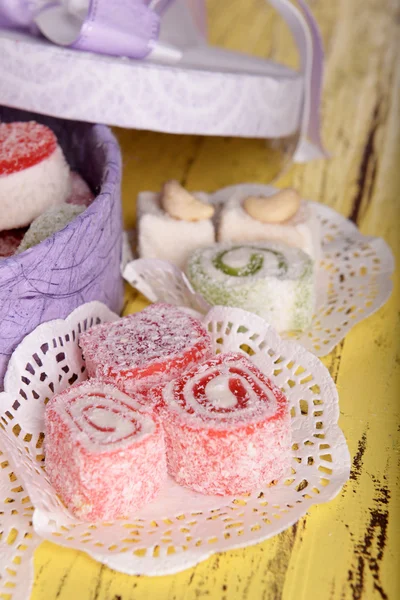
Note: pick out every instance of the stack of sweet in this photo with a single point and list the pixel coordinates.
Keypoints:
(39, 195)
(158, 402)
(254, 252)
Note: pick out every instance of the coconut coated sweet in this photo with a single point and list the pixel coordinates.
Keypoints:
(146, 348)
(34, 174)
(103, 455)
(270, 279)
(227, 427)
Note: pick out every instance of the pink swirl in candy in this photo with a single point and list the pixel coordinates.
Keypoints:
(225, 389)
(103, 455)
(227, 426)
(106, 420)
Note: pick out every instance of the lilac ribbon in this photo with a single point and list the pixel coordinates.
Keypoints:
(308, 40)
(15, 13)
(117, 27)
(316, 79)
(125, 30)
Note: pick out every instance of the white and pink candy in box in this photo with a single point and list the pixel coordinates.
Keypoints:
(160, 73)
(50, 264)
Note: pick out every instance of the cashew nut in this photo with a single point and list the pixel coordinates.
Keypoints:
(273, 209)
(178, 203)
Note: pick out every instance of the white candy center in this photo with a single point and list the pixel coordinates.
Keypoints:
(239, 258)
(106, 421)
(218, 392)
(110, 422)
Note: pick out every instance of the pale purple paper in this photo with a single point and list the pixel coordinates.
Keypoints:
(78, 264)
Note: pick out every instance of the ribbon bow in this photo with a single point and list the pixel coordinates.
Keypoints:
(118, 28)
(131, 28)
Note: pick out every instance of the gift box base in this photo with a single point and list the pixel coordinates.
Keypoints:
(77, 264)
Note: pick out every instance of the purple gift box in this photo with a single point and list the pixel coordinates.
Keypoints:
(183, 85)
(81, 262)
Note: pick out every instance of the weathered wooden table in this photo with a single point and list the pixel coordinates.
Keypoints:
(347, 549)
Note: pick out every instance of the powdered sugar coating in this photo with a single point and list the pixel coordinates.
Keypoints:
(52, 220)
(270, 279)
(146, 348)
(81, 194)
(301, 231)
(27, 193)
(24, 144)
(10, 241)
(103, 455)
(162, 236)
(227, 441)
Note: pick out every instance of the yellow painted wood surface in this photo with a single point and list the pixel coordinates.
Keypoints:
(349, 548)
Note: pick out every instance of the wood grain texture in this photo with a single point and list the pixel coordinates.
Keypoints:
(347, 549)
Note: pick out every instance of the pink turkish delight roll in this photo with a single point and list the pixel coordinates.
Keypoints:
(34, 175)
(227, 427)
(103, 455)
(146, 348)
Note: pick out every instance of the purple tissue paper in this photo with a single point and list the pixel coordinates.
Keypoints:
(78, 264)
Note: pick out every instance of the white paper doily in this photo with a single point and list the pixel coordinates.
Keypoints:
(353, 279)
(181, 528)
(17, 538)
